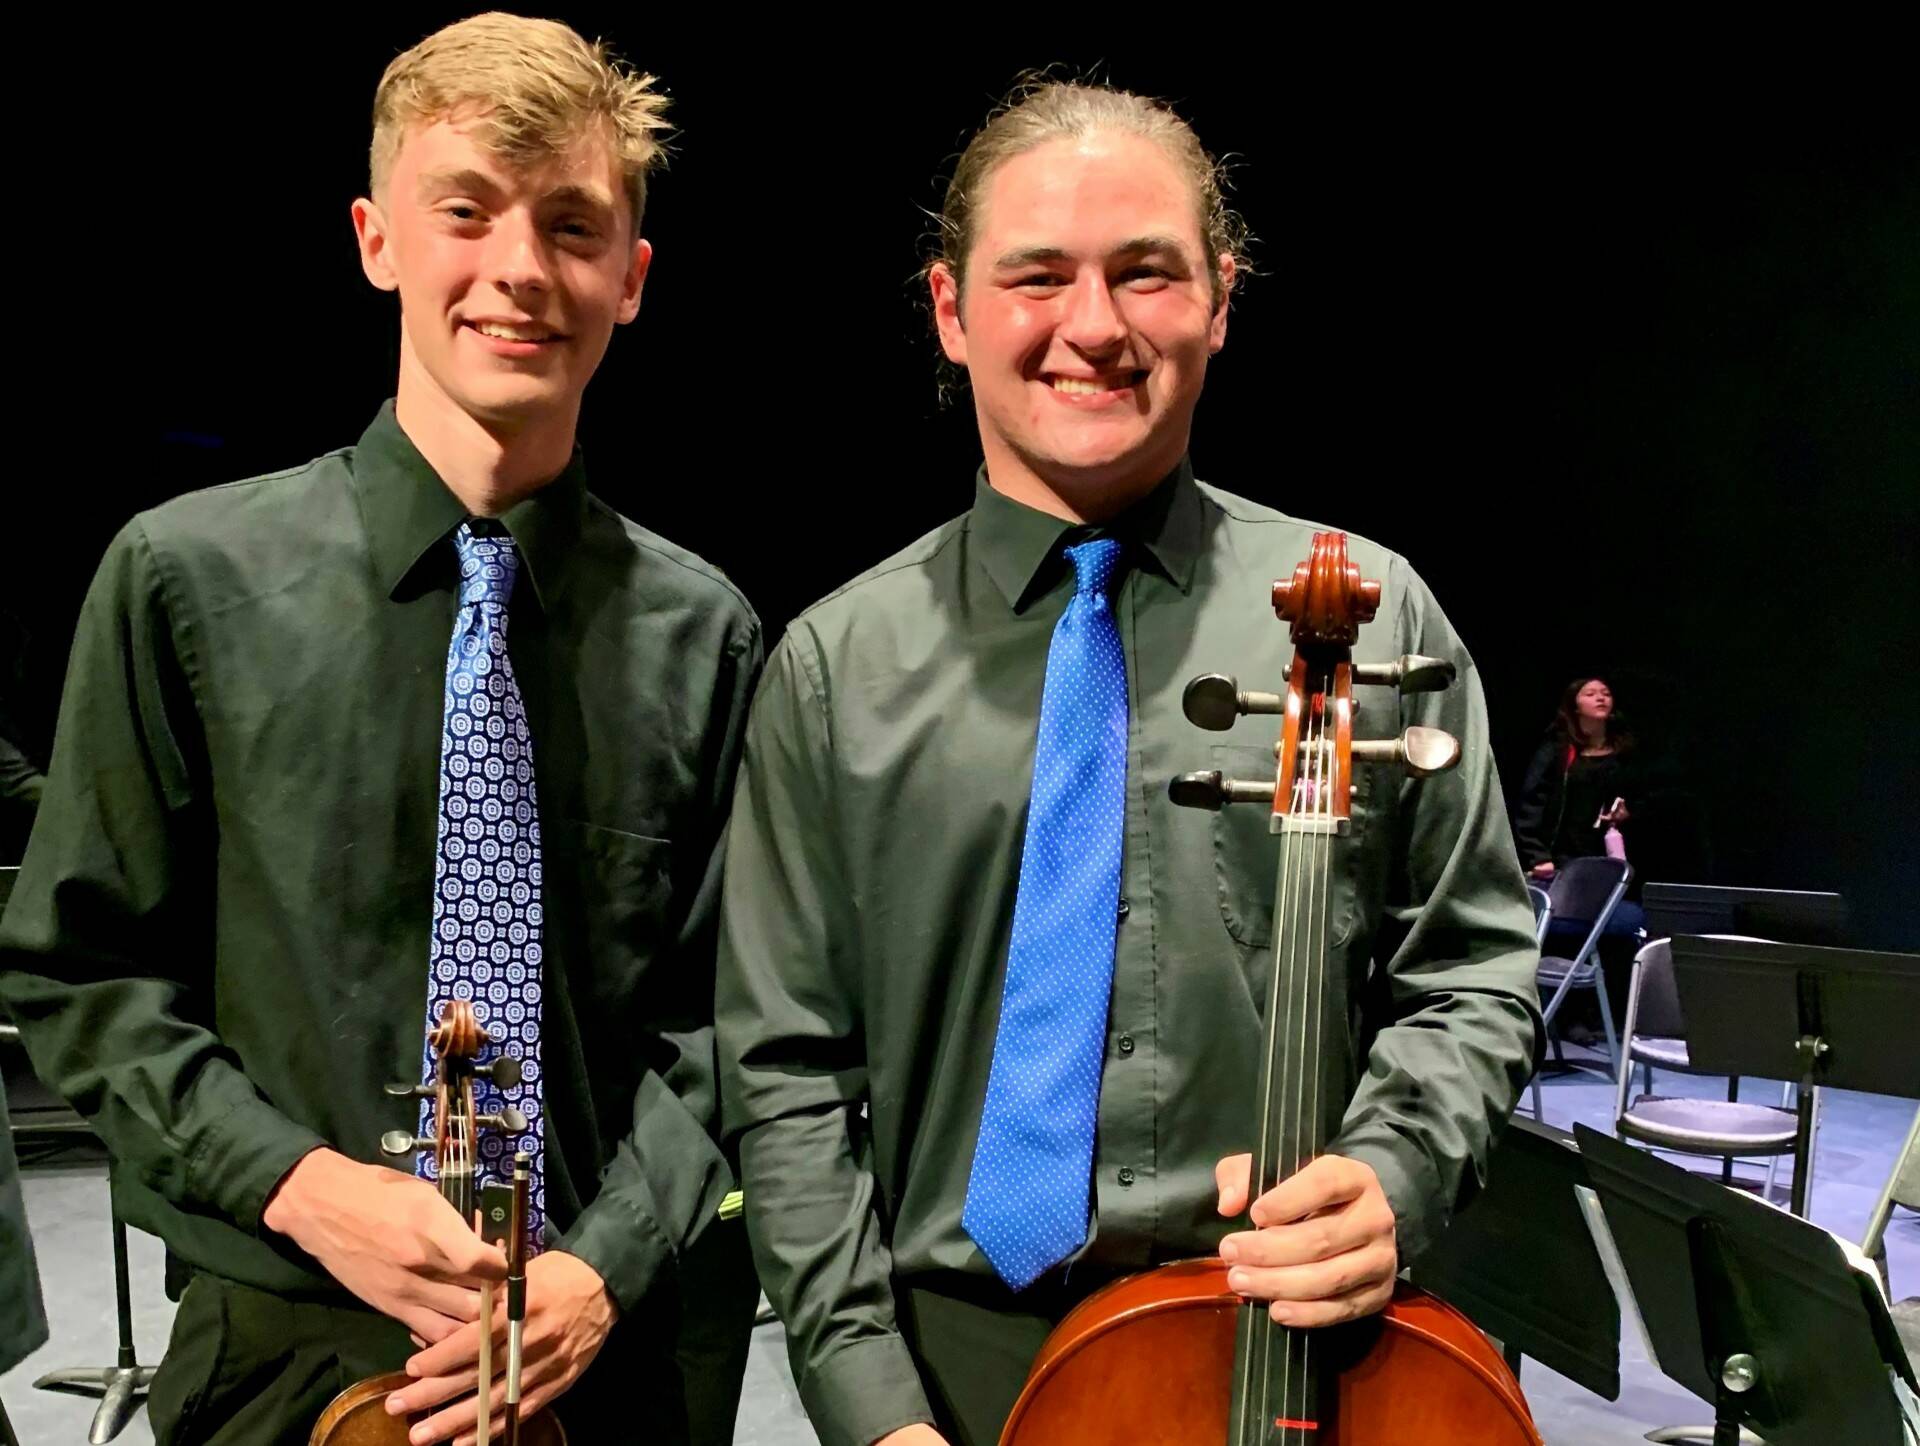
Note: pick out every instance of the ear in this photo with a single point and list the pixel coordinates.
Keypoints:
(1217, 332)
(634, 281)
(946, 312)
(370, 229)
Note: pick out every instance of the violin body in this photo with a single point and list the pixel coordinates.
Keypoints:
(1148, 1361)
(358, 1417)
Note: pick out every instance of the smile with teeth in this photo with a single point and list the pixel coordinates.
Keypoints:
(1093, 386)
(515, 331)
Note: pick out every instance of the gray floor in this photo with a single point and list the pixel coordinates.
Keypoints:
(67, 1205)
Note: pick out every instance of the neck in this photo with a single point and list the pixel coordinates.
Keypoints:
(489, 466)
(1092, 494)
(1592, 734)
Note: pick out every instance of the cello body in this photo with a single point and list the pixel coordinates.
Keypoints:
(1148, 1361)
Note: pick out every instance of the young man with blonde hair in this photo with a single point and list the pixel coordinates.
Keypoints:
(990, 1034)
(417, 721)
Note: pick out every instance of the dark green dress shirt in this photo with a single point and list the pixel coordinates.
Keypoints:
(218, 946)
(875, 853)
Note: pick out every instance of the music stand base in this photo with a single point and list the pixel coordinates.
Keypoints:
(121, 1390)
(1700, 1436)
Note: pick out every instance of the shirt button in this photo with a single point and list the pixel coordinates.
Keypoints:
(1126, 1174)
(1126, 1044)
(1124, 908)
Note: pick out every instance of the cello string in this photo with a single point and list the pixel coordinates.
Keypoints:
(1301, 1409)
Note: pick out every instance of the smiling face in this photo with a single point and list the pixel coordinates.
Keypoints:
(510, 280)
(1086, 320)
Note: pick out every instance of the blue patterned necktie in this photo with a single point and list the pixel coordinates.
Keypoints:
(486, 884)
(1033, 1162)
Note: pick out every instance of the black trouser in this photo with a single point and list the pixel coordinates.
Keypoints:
(975, 1340)
(245, 1368)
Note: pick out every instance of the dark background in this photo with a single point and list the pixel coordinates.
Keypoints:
(1620, 345)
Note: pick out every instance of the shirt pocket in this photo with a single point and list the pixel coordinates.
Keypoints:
(1246, 853)
(626, 889)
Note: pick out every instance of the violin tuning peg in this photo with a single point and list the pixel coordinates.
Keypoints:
(399, 1142)
(1421, 751)
(509, 1120)
(1410, 673)
(504, 1071)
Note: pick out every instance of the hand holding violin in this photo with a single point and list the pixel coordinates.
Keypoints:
(568, 1316)
(1325, 1248)
(387, 1237)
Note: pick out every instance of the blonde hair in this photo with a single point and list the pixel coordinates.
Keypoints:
(532, 88)
(1042, 109)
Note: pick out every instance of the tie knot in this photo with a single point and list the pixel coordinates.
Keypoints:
(1094, 564)
(487, 567)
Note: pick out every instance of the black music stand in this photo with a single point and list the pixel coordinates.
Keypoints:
(1791, 916)
(121, 1387)
(1524, 1229)
(1747, 1307)
(1838, 1017)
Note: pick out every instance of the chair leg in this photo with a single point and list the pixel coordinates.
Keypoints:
(1539, 1116)
(1606, 1022)
(1646, 1079)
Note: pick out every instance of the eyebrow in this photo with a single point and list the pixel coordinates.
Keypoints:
(478, 183)
(1043, 255)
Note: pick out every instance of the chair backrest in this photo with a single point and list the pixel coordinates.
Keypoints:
(1584, 888)
(1542, 913)
(1656, 994)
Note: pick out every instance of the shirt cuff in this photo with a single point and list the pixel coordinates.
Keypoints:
(244, 1155)
(1410, 1184)
(864, 1390)
(623, 1244)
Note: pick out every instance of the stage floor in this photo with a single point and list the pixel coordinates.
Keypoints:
(67, 1206)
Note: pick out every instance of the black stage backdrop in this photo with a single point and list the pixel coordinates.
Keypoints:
(1621, 346)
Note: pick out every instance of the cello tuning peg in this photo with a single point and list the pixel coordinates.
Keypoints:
(1213, 792)
(399, 1142)
(401, 1090)
(1214, 701)
(504, 1071)
(1410, 673)
(1421, 751)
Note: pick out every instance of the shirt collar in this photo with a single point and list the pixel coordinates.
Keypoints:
(1021, 547)
(410, 514)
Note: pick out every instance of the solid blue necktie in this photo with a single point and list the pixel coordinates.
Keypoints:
(486, 886)
(1033, 1162)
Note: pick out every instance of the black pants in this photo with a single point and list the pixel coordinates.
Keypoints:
(245, 1368)
(975, 1340)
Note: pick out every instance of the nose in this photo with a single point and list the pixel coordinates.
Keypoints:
(517, 259)
(1092, 322)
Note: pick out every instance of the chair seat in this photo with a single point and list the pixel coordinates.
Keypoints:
(1710, 1127)
(1553, 969)
(1658, 1050)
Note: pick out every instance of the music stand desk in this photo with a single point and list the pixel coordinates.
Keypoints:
(1754, 1311)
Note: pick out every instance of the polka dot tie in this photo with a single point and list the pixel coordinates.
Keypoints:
(1033, 1162)
(486, 885)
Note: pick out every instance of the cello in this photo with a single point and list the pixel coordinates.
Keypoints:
(358, 1415)
(1173, 1356)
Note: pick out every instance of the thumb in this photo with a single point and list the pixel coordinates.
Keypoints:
(1232, 1178)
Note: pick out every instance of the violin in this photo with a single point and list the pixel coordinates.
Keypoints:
(1174, 1356)
(497, 1210)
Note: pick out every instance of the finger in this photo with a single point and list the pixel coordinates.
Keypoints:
(1321, 1237)
(1232, 1177)
(456, 1351)
(445, 1425)
(1326, 1181)
(1309, 1315)
(429, 1325)
(457, 1255)
(430, 1391)
(1344, 1275)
